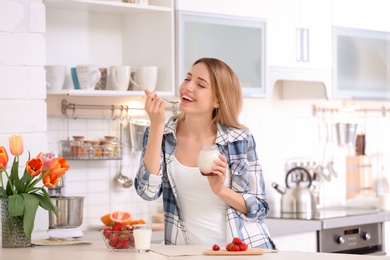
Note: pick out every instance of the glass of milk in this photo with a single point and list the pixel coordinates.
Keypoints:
(207, 155)
(142, 237)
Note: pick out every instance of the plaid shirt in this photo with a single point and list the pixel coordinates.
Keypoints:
(238, 146)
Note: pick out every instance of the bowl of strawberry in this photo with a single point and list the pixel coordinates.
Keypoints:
(118, 237)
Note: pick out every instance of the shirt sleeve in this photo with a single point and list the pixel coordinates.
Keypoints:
(247, 178)
(147, 185)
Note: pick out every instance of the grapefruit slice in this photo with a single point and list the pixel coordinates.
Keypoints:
(121, 216)
(106, 219)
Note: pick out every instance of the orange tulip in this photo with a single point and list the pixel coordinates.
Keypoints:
(34, 167)
(3, 158)
(58, 166)
(16, 144)
(50, 180)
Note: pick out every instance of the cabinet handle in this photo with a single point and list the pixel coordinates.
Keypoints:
(302, 45)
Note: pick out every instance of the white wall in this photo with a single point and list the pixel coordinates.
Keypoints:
(22, 87)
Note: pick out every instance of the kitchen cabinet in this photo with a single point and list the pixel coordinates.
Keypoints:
(243, 42)
(221, 32)
(299, 34)
(361, 14)
(361, 64)
(299, 42)
(111, 33)
(303, 242)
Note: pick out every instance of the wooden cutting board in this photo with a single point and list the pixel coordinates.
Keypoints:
(249, 251)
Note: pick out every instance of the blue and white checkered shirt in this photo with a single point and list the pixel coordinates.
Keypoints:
(239, 148)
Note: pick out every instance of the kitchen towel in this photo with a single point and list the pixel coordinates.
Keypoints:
(60, 242)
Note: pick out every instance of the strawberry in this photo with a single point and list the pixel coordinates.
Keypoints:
(237, 241)
(113, 240)
(119, 245)
(235, 248)
(123, 239)
(229, 246)
(107, 232)
(117, 227)
(243, 247)
(216, 247)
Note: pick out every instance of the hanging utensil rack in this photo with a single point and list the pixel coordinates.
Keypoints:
(320, 110)
(115, 109)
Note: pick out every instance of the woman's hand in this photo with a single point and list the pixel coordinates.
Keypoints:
(217, 181)
(154, 107)
(232, 198)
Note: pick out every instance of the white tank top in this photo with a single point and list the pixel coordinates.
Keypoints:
(203, 212)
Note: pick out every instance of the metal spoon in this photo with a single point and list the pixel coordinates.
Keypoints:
(172, 101)
(123, 180)
(120, 178)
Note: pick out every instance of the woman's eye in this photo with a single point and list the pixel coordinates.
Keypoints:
(201, 86)
(186, 79)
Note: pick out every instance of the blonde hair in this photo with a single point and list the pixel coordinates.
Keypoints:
(227, 90)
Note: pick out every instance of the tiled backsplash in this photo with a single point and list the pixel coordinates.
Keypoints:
(94, 179)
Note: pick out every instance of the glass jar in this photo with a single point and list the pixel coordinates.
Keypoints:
(207, 155)
(114, 145)
(77, 149)
(97, 150)
(89, 151)
(106, 149)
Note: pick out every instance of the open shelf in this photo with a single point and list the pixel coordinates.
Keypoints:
(114, 7)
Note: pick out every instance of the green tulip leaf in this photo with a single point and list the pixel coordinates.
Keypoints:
(30, 210)
(15, 205)
(3, 194)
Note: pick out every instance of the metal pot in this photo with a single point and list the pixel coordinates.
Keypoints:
(297, 199)
(137, 129)
(70, 212)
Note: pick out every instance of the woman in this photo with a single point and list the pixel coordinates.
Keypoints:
(197, 209)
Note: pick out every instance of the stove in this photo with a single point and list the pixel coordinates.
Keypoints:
(322, 214)
(345, 230)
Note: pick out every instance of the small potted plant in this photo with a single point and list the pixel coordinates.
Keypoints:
(21, 195)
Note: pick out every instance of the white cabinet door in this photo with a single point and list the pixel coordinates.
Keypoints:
(302, 242)
(299, 34)
(361, 70)
(361, 14)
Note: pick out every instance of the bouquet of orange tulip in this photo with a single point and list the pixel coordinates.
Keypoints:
(25, 193)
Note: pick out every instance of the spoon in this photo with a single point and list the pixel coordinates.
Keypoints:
(120, 178)
(123, 180)
(172, 101)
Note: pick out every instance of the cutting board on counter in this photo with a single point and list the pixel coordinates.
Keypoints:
(249, 251)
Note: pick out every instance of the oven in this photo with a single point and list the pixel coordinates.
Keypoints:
(358, 239)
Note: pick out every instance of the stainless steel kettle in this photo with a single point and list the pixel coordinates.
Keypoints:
(298, 199)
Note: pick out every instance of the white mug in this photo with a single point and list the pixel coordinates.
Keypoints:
(55, 76)
(88, 76)
(120, 77)
(146, 78)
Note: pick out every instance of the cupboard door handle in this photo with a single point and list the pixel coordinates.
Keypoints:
(305, 45)
(302, 45)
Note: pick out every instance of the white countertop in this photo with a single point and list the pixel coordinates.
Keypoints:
(98, 251)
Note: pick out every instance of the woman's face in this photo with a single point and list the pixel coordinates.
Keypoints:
(196, 91)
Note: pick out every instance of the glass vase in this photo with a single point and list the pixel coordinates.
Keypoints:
(12, 234)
